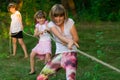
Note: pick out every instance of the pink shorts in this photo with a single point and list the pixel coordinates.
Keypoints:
(43, 47)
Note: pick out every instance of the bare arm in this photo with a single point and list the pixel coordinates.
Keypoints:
(20, 20)
(57, 33)
(36, 32)
(74, 34)
(70, 42)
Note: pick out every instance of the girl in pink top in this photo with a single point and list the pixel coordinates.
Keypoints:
(43, 48)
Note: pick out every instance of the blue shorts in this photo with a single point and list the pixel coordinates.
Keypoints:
(17, 35)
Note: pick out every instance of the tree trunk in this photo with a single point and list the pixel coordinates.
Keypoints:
(69, 4)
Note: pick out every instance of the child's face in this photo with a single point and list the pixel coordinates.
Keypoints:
(59, 20)
(41, 20)
(12, 9)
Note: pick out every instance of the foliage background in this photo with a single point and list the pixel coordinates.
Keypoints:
(97, 22)
(91, 11)
(87, 10)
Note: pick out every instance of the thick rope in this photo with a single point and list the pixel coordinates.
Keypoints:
(89, 56)
(94, 58)
(29, 34)
(99, 61)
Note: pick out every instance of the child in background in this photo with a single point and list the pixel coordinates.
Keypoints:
(16, 28)
(66, 39)
(43, 48)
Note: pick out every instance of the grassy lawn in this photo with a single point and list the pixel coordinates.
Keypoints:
(101, 40)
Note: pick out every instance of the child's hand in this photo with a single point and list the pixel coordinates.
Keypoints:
(71, 43)
(45, 30)
(41, 32)
(63, 43)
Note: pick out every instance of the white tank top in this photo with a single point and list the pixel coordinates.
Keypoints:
(60, 48)
(16, 24)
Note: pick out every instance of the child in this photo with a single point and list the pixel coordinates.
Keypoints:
(66, 38)
(43, 48)
(16, 28)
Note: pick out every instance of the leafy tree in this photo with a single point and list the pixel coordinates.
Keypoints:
(86, 10)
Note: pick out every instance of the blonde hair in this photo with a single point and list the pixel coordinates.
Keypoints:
(40, 14)
(12, 5)
(58, 10)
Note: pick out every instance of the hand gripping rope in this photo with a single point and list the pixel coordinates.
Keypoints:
(93, 58)
(87, 55)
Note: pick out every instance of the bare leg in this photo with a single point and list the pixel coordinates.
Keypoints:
(21, 42)
(47, 57)
(32, 62)
(14, 41)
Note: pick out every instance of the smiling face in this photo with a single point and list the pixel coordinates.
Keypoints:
(58, 14)
(59, 20)
(40, 16)
(41, 20)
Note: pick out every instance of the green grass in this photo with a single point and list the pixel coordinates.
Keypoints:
(101, 40)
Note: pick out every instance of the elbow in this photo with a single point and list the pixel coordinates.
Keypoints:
(76, 40)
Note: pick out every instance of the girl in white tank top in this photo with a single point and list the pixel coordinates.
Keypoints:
(66, 38)
(16, 28)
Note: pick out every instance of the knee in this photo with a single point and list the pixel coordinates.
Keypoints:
(21, 43)
(32, 55)
(14, 42)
